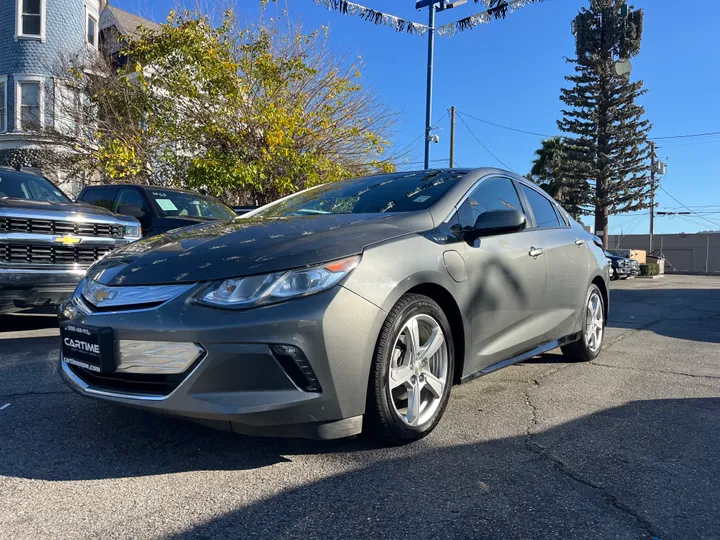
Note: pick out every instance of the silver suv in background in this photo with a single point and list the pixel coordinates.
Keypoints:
(47, 242)
(351, 306)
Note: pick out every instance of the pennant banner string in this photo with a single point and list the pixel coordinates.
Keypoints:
(495, 10)
(374, 16)
(484, 17)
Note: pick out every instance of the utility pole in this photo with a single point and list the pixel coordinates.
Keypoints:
(452, 136)
(652, 195)
(428, 94)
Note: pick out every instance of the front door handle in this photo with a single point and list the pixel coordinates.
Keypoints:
(579, 242)
(536, 252)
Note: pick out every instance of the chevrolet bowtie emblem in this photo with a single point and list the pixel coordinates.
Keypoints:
(67, 240)
(101, 295)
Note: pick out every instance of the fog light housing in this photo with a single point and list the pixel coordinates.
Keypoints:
(156, 357)
(296, 365)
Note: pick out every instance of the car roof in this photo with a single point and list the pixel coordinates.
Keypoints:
(143, 186)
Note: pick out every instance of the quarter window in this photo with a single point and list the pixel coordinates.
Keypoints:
(542, 209)
(492, 194)
(30, 119)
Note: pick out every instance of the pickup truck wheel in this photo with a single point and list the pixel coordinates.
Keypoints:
(588, 347)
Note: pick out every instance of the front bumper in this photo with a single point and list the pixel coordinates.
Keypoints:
(24, 289)
(239, 384)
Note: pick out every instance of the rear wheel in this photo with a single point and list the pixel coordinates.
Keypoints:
(412, 371)
(588, 347)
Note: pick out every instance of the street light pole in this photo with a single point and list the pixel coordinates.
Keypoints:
(452, 136)
(428, 94)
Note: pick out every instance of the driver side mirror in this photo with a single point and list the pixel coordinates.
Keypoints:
(130, 210)
(497, 222)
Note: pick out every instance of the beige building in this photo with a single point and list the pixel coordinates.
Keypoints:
(684, 253)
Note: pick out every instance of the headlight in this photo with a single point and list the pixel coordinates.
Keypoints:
(264, 289)
(132, 231)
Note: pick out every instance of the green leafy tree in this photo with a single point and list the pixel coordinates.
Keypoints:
(607, 136)
(549, 173)
(247, 113)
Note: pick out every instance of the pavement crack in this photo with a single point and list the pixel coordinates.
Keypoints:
(661, 371)
(559, 466)
(26, 394)
(611, 499)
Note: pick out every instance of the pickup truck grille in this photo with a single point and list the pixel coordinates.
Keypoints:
(50, 226)
(42, 254)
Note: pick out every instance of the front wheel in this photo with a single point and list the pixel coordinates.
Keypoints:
(412, 371)
(588, 347)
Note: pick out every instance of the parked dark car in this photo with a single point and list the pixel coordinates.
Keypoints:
(242, 210)
(623, 267)
(158, 209)
(353, 305)
(47, 241)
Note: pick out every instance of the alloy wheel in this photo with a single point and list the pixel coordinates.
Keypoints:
(594, 322)
(418, 370)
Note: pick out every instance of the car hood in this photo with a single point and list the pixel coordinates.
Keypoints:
(64, 207)
(241, 247)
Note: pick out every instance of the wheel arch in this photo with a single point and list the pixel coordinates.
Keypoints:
(600, 283)
(447, 303)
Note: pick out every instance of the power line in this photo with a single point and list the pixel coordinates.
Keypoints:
(536, 134)
(423, 133)
(681, 204)
(686, 136)
(507, 127)
(485, 147)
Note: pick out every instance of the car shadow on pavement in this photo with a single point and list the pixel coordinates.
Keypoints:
(644, 469)
(640, 470)
(16, 323)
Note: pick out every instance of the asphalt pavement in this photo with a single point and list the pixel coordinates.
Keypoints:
(627, 446)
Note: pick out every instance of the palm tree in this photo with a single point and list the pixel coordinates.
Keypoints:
(547, 172)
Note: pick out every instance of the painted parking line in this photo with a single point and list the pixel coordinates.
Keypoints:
(4, 407)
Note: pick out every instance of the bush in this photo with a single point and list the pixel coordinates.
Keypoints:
(650, 269)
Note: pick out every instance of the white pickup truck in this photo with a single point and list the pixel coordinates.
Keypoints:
(47, 241)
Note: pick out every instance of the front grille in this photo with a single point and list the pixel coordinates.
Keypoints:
(134, 383)
(41, 254)
(51, 226)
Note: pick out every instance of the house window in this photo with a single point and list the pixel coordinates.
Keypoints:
(30, 110)
(92, 31)
(3, 104)
(30, 21)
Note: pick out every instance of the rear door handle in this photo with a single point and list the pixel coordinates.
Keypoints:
(536, 252)
(579, 242)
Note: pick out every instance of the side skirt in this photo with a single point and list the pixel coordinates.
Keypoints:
(542, 349)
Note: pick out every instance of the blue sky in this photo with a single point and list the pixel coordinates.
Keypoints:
(510, 72)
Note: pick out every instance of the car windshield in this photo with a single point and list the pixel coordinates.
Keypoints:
(22, 185)
(172, 203)
(397, 192)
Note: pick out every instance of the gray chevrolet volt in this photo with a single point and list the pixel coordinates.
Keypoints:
(352, 306)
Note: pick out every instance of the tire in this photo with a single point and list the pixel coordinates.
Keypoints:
(588, 348)
(398, 362)
(624, 277)
(615, 276)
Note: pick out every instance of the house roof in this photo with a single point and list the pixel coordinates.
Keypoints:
(126, 23)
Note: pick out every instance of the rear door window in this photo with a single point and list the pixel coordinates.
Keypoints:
(542, 209)
(102, 197)
(495, 193)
